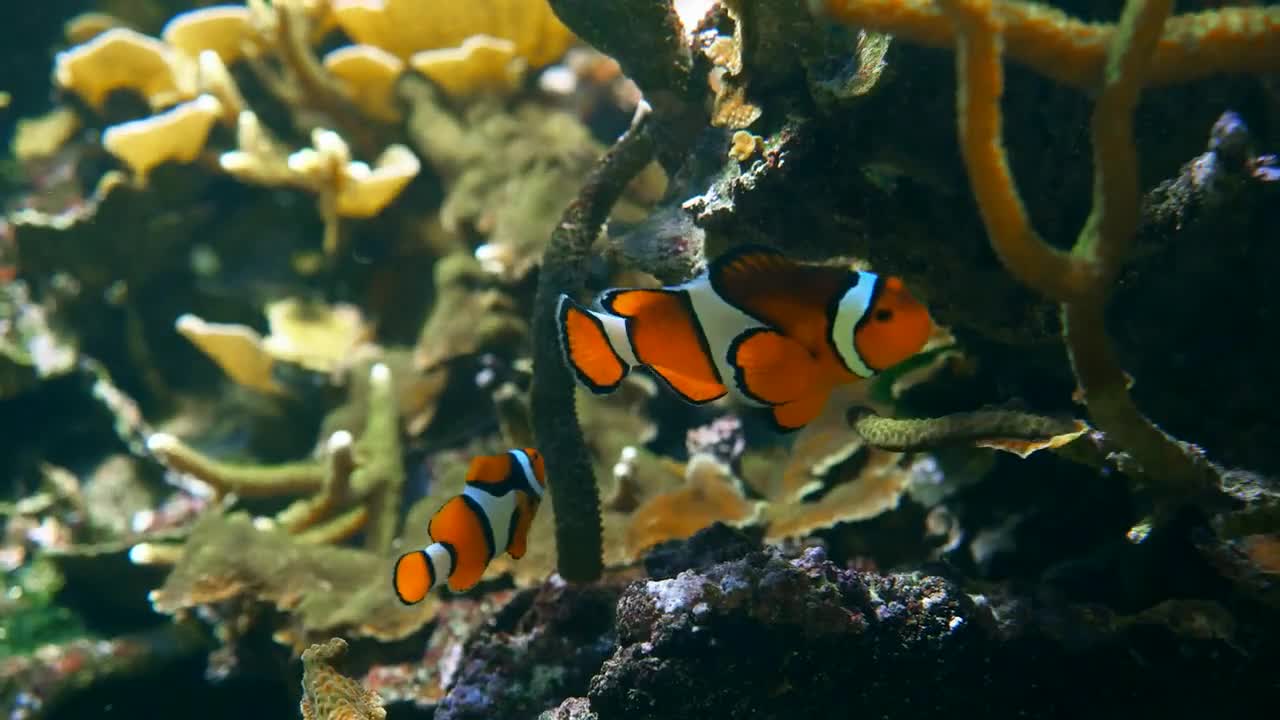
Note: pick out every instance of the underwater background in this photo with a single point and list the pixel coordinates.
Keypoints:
(280, 279)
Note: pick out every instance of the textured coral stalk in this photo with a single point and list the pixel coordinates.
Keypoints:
(1073, 52)
(557, 432)
(644, 36)
(902, 435)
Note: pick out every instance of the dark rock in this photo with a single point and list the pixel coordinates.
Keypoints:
(534, 654)
(574, 708)
(1199, 280)
(766, 636)
(715, 544)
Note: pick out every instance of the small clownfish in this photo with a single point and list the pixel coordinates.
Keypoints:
(780, 333)
(493, 513)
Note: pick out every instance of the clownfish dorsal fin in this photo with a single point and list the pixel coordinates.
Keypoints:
(770, 367)
(491, 470)
(795, 298)
(666, 336)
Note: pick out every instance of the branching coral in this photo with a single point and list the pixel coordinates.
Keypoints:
(231, 565)
(356, 486)
(509, 172)
(828, 477)
(1117, 60)
(471, 314)
(343, 187)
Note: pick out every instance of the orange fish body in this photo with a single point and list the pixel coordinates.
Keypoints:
(493, 514)
(778, 333)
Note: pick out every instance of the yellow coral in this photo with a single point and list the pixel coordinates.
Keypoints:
(221, 28)
(120, 58)
(177, 134)
(353, 188)
(235, 348)
(480, 63)
(43, 136)
(363, 191)
(743, 146)
(213, 78)
(404, 27)
(344, 187)
(368, 74)
(318, 337)
(88, 25)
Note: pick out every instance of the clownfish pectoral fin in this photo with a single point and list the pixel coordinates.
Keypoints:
(413, 577)
(463, 525)
(587, 348)
(777, 291)
(666, 336)
(794, 415)
(770, 367)
(692, 390)
(520, 524)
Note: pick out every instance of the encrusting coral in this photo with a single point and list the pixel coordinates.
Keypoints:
(230, 564)
(471, 314)
(328, 694)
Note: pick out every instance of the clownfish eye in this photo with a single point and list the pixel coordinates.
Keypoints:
(884, 315)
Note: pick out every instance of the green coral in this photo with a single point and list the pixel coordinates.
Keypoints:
(356, 485)
(29, 617)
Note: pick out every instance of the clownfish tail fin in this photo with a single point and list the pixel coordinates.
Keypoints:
(413, 577)
(589, 347)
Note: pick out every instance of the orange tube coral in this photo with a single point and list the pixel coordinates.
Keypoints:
(981, 74)
(1073, 52)
(1144, 47)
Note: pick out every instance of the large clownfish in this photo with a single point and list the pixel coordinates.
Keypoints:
(493, 514)
(780, 333)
